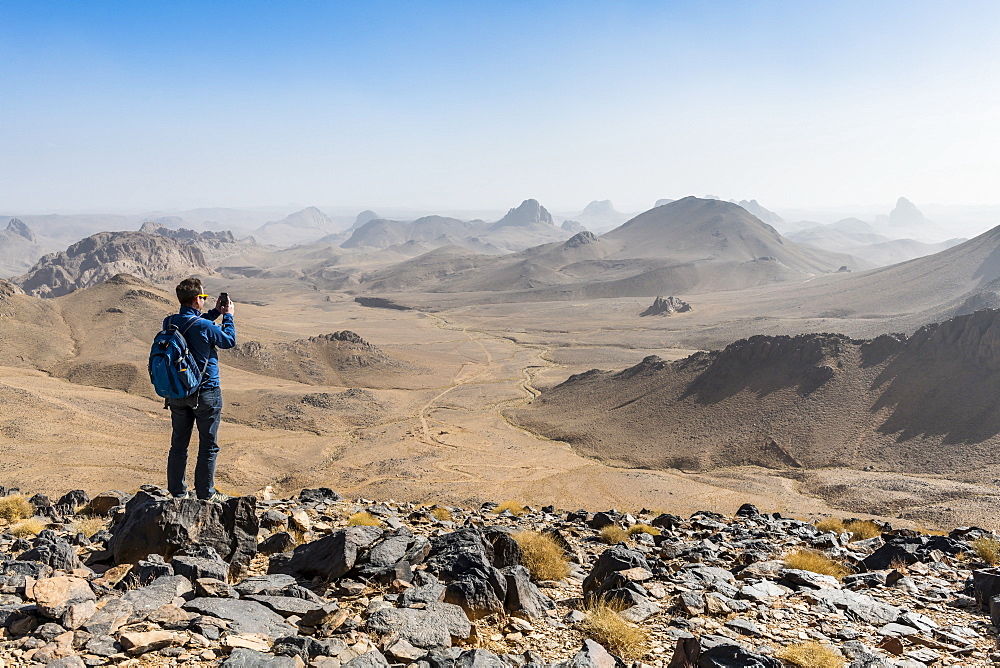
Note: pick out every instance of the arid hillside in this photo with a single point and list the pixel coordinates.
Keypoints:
(924, 404)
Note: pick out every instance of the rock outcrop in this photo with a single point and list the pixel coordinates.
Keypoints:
(151, 257)
(668, 306)
(913, 404)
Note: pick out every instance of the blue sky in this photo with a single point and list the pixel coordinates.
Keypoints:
(441, 105)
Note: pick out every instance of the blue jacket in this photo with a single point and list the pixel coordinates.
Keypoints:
(203, 337)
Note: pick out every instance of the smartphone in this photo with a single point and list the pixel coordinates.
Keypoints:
(224, 298)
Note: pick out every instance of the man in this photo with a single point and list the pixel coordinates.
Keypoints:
(204, 407)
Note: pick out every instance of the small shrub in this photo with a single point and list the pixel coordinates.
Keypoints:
(363, 519)
(862, 529)
(441, 514)
(15, 507)
(811, 654)
(832, 524)
(621, 637)
(643, 528)
(613, 534)
(817, 562)
(29, 527)
(88, 526)
(515, 507)
(542, 556)
(987, 549)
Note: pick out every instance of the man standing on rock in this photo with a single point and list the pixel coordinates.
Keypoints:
(204, 407)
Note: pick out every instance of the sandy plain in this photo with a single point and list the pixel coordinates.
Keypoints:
(435, 430)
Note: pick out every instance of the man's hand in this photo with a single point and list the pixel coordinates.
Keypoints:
(229, 307)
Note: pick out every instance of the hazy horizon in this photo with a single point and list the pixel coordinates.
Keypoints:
(457, 106)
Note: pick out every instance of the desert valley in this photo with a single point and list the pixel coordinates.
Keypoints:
(528, 357)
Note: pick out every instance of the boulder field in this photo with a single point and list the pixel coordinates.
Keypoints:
(316, 580)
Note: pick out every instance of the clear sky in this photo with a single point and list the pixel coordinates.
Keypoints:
(115, 105)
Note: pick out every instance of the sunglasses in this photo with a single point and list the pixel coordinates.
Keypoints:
(202, 296)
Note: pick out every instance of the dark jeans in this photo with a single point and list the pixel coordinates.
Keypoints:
(205, 409)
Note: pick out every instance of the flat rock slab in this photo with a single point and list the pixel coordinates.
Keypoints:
(246, 616)
(287, 606)
(430, 628)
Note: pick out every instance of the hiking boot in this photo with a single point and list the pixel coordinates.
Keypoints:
(186, 495)
(219, 497)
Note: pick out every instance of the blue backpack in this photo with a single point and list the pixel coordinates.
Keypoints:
(172, 368)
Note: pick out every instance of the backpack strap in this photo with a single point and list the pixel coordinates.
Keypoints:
(191, 322)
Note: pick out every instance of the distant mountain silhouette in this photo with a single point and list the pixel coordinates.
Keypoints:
(303, 226)
(380, 233)
(600, 216)
(529, 214)
(769, 217)
(701, 230)
(20, 247)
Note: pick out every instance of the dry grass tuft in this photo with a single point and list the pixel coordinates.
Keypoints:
(862, 529)
(88, 526)
(15, 507)
(613, 534)
(987, 549)
(811, 654)
(619, 636)
(817, 562)
(516, 508)
(643, 528)
(542, 556)
(29, 527)
(832, 524)
(441, 514)
(363, 519)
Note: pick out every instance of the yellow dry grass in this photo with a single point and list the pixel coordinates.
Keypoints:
(613, 534)
(987, 549)
(832, 524)
(643, 528)
(542, 556)
(862, 529)
(619, 636)
(811, 654)
(29, 527)
(816, 562)
(88, 526)
(363, 519)
(15, 507)
(441, 514)
(515, 507)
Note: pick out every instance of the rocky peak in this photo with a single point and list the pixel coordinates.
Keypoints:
(668, 306)
(530, 212)
(572, 226)
(365, 216)
(580, 239)
(601, 207)
(8, 289)
(906, 213)
(97, 258)
(18, 227)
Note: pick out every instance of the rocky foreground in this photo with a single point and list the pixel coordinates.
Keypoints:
(146, 580)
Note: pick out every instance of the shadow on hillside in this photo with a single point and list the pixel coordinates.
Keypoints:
(953, 399)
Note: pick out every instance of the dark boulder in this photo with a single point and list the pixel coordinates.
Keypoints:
(331, 556)
(523, 597)
(153, 525)
(318, 495)
(617, 558)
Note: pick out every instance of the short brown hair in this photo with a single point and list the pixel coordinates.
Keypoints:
(188, 289)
